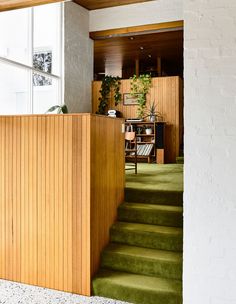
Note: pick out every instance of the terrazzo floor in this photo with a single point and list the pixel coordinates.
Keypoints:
(15, 293)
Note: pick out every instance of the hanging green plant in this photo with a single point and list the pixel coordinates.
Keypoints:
(109, 83)
(140, 87)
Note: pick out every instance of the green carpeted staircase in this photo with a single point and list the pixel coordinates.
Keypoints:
(180, 160)
(143, 262)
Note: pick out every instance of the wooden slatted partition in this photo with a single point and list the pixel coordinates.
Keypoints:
(46, 186)
(166, 92)
(107, 161)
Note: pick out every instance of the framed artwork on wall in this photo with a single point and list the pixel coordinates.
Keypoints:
(130, 100)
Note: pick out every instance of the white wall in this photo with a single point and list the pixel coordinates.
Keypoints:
(136, 14)
(210, 149)
(78, 58)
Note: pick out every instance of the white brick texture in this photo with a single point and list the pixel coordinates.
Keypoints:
(136, 14)
(78, 59)
(210, 152)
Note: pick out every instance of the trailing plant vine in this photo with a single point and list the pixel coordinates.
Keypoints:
(140, 86)
(109, 83)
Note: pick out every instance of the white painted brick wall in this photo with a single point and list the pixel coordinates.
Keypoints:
(210, 152)
(78, 59)
(136, 14)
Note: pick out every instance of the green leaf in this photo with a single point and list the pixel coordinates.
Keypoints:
(60, 109)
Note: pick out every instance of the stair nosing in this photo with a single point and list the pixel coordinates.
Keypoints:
(178, 229)
(177, 255)
(161, 208)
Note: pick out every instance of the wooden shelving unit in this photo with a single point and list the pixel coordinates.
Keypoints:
(144, 140)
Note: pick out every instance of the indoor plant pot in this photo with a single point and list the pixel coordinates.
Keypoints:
(148, 131)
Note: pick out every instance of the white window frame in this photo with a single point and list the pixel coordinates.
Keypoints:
(32, 70)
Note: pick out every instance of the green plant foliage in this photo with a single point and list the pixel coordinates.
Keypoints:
(140, 87)
(151, 111)
(60, 109)
(109, 83)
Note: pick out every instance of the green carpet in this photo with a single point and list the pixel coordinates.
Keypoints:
(137, 288)
(151, 214)
(149, 236)
(159, 263)
(180, 160)
(155, 184)
(143, 262)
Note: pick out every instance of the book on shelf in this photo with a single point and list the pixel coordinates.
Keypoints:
(144, 150)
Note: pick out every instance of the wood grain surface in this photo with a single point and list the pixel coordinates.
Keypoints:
(52, 207)
(6, 5)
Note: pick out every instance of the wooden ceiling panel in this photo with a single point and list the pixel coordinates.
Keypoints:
(6, 5)
(89, 4)
(147, 47)
(97, 4)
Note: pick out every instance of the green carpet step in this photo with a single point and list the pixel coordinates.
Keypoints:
(149, 196)
(151, 262)
(151, 214)
(180, 159)
(149, 236)
(137, 289)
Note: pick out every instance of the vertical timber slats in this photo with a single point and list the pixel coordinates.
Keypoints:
(49, 197)
(166, 92)
(107, 170)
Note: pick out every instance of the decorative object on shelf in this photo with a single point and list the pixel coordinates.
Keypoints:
(140, 87)
(113, 113)
(139, 130)
(151, 112)
(58, 109)
(148, 131)
(109, 83)
(130, 99)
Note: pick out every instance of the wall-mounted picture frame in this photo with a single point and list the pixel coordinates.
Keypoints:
(130, 100)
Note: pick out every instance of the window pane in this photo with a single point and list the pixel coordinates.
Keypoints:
(15, 37)
(14, 90)
(45, 93)
(17, 28)
(47, 38)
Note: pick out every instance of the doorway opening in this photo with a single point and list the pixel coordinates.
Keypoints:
(145, 249)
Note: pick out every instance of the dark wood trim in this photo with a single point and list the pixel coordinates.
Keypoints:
(141, 29)
(94, 4)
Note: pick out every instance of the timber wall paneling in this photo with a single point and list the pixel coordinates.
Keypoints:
(107, 163)
(46, 186)
(166, 92)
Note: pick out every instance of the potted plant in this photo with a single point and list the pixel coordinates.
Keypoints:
(109, 83)
(151, 112)
(59, 109)
(140, 87)
(148, 130)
